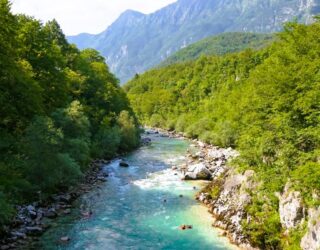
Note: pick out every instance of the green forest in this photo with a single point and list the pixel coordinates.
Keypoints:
(60, 108)
(220, 45)
(265, 103)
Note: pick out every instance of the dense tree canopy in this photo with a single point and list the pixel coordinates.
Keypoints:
(265, 103)
(220, 45)
(59, 107)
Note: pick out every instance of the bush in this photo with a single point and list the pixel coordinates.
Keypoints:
(129, 132)
(6, 212)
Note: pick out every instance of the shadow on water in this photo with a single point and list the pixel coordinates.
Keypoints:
(139, 208)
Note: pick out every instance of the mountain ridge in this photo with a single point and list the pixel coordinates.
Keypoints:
(136, 42)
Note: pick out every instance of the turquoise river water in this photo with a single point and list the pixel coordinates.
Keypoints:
(129, 211)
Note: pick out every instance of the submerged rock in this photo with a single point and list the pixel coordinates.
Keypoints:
(123, 164)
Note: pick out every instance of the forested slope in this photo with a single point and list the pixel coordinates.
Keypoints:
(59, 109)
(266, 104)
(219, 45)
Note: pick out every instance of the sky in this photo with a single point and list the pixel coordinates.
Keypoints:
(78, 16)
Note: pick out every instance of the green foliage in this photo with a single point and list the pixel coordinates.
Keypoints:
(265, 103)
(220, 45)
(59, 109)
(106, 141)
(264, 228)
(6, 211)
(293, 240)
(129, 132)
(75, 126)
(306, 179)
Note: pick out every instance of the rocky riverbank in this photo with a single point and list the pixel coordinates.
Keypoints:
(228, 194)
(32, 220)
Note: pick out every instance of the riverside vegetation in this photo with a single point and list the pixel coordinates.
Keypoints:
(264, 103)
(59, 109)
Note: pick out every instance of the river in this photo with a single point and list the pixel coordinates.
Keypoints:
(140, 207)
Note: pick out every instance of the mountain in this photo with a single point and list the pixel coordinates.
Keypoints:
(136, 42)
(220, 45)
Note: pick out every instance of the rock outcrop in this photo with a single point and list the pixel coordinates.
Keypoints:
(291, 210)
(228, 203)
(227, 195)
(311, 240)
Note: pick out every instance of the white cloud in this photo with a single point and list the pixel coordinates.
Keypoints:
(76, 16)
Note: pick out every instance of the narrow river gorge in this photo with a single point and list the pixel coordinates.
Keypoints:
(140, 207)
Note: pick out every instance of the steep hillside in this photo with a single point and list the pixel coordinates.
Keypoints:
(220, 45)
(266, 104)
(136, 42)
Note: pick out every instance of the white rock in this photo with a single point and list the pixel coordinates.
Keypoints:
(290, 208)
(311, 240)
(215, 153)
(201, 144)
(197, 172)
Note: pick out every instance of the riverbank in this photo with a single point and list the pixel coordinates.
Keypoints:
(226, 196)
(32, 220)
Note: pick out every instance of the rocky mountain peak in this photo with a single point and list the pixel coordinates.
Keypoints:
(136, 42)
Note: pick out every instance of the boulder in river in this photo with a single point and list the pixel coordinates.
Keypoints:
(123, 164)
(197, 172)
(65, 239)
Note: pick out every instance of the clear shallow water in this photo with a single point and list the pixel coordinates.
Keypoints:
(129, 211)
